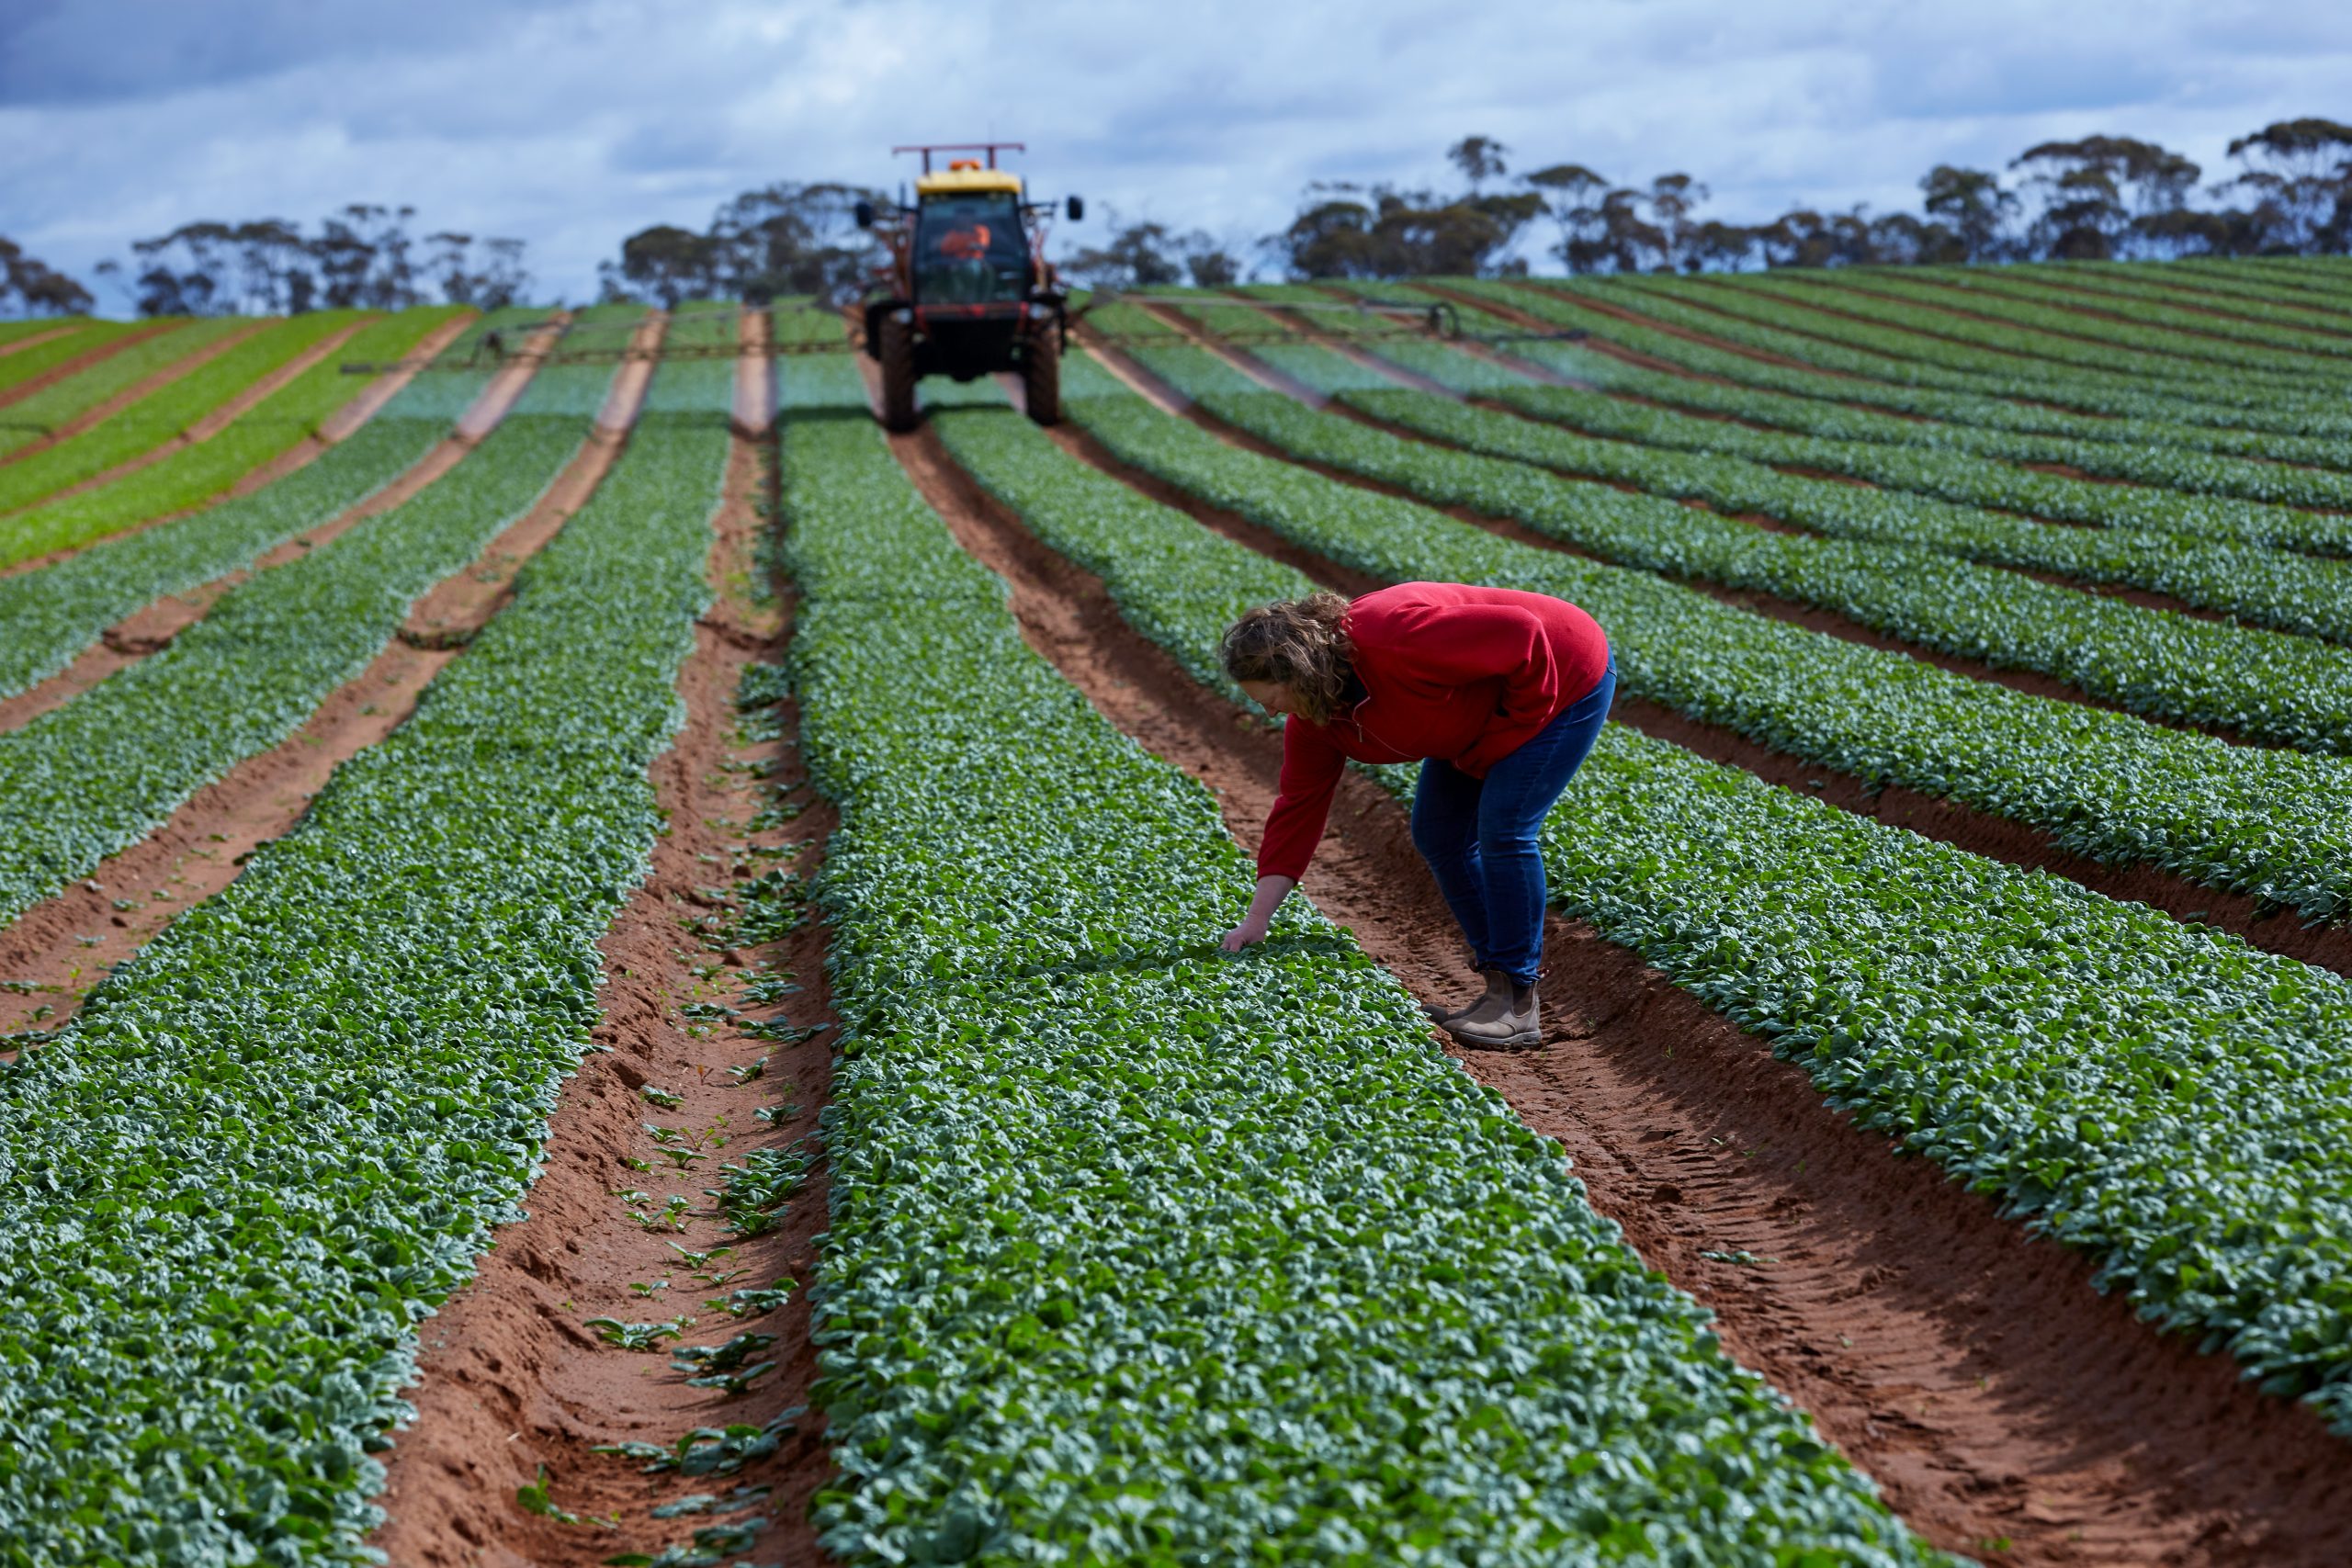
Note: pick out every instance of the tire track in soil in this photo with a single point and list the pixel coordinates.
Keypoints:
(152, 382)
(1968, 1366)
(509, 1379)
(2278, 930)
(58, 949)
(151, 629)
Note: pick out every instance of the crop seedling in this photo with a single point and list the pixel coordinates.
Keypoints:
(638, 1336)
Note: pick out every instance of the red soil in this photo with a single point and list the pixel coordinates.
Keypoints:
(1971, 1369)
(509, 1379)
(754, 380)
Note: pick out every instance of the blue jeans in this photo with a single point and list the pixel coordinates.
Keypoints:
(1478, 835)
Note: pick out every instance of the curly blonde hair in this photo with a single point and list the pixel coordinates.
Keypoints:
(1299, 643)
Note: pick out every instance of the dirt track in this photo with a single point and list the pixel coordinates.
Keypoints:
(510, 1381)
(1970, 1369)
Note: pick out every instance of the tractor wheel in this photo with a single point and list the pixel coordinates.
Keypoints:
(1041, 374)
(898, 355)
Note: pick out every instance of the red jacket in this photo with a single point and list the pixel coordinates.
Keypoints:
(1468, 675)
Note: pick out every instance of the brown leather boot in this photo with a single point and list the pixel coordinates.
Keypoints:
(1505, 1019)
(1495, 982)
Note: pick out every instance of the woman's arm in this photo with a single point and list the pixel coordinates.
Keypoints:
(1272, 891)
(1312, 765)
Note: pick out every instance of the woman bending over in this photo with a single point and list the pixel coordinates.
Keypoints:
(1498, 693)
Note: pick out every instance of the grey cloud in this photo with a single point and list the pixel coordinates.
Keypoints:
(79, 52)
(573, 126)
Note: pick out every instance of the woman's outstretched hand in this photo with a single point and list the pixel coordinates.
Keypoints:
(1252, 928)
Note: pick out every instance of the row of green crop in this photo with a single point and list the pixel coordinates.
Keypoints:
(170, 408)
(2276, 825)
(2204, 302)
(1943, 337)
(2159, 1094)
(1121, 321)
(199, 473)
(1953, 476)
(2121, 454)
(73, 339)
(2275, 588)
(2143, 321)
(1963, 416)
(2234, 277)
(2283, 591)
(1833, 342)
(2280, 590)
(279, 1136)
(807, 322)
(2278, 689)
(2065, 337)
(34, 416)
(2164, 452)
(24, 327)
(49, 617)
(1138, 1252)
(85, 779)
(2327, 277)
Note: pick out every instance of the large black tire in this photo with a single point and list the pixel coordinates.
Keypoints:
(896, 353)
(1041, 374)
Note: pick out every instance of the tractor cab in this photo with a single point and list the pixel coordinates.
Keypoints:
(970, 244)
(967, 291)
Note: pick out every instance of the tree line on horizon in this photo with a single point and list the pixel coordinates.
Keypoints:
(363, 255)
(2098, 197)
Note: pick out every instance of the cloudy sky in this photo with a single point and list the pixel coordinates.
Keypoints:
(572, 123)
